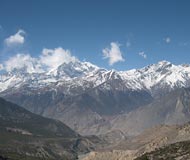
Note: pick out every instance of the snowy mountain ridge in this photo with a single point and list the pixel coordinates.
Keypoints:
(86, 75)
(161, 74)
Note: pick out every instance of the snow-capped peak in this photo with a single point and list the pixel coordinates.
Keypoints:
(84, 74)
(163, 63)
(73, 69)
(161, 74)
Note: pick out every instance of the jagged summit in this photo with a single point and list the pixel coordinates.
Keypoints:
(73, 69)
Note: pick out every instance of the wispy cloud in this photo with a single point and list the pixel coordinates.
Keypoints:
(16, 39)
(167, 40)
(142, 54)
(184, 44)
(113, 54)
(128, 44)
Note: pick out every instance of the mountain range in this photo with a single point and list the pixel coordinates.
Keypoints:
(93, 100)
(113, 105)
(74, 75)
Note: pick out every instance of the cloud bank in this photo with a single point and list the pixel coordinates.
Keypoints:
(49, 59)
(16, 39)
(113, 54)
(23, 61)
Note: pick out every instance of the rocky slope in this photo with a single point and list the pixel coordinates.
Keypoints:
(173, 108)
(25, 135)
(148, 144)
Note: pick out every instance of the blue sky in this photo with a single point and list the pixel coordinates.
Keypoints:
(144, 31)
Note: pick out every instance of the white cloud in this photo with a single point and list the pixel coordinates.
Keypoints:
(16, 39)
(167, 39)
(48, 60)
(52, 58)
(23, 61)
(113, 53)
(142, 54)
